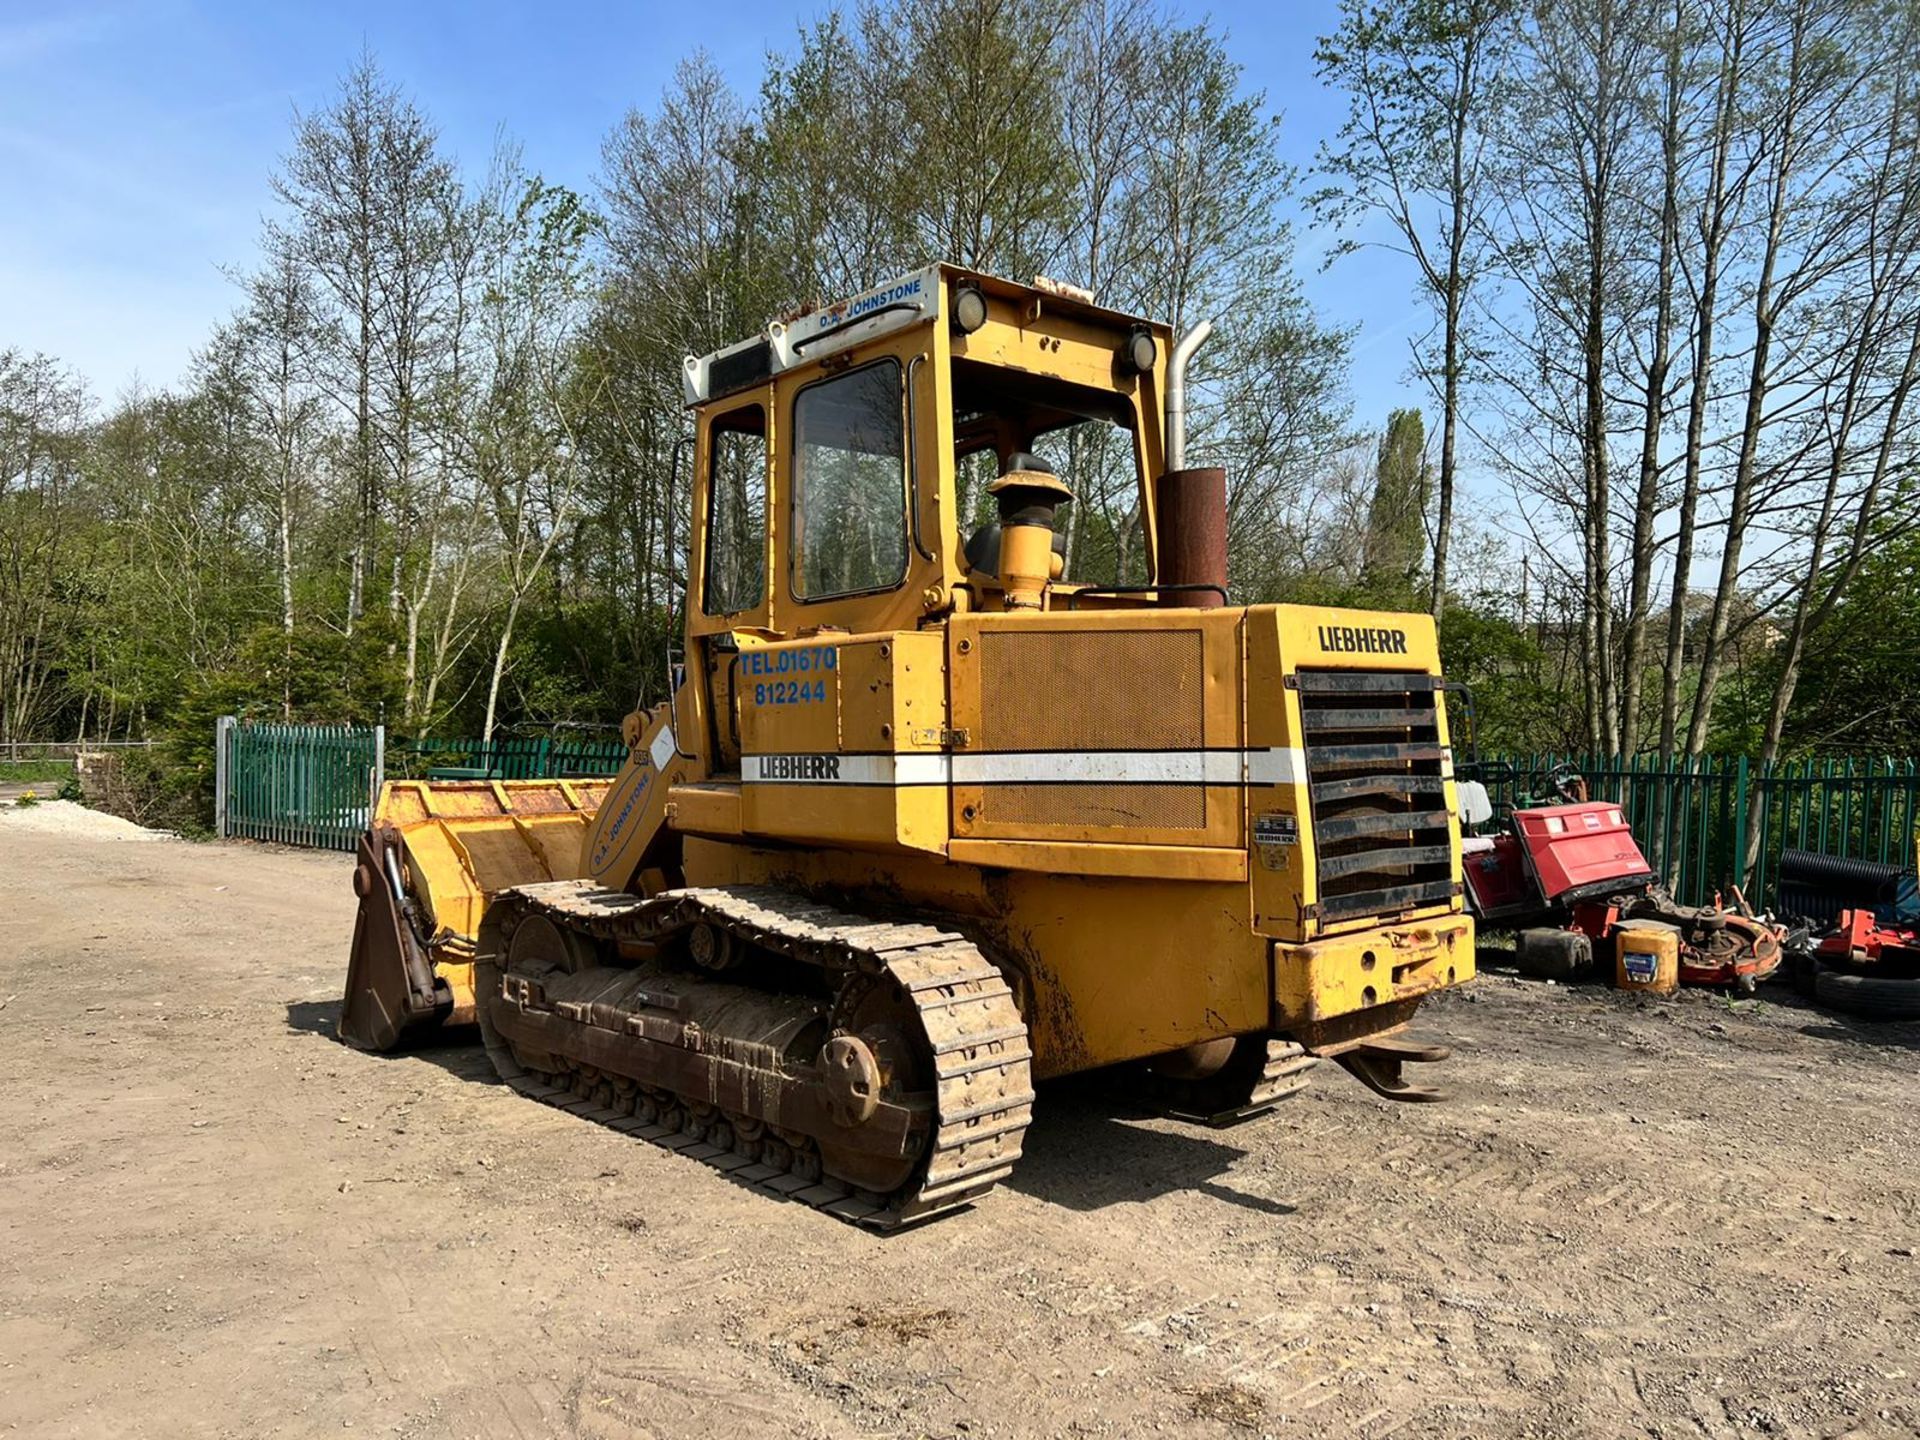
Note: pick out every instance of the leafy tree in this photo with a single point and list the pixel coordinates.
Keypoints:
(1396, 518)
(1856, 686)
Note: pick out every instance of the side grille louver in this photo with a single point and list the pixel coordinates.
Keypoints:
(1374, 771)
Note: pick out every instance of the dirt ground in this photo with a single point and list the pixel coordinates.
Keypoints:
(1634, 1218)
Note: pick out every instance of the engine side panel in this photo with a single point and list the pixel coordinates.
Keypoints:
(842, 740)
(1099, 728)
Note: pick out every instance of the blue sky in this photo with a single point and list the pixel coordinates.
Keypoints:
(136, 140)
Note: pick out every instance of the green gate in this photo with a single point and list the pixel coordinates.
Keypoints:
(312, 785)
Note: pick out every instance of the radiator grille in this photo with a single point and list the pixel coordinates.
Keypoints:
(1374, 758)
(1080, 691)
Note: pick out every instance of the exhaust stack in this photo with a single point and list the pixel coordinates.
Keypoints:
(1191, 505)
(1183, 351)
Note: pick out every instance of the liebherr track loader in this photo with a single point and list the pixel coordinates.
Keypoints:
(927, 820)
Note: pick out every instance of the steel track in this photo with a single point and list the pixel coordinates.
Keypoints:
(972, 1039)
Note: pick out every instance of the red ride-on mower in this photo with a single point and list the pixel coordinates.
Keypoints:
(1566, 872)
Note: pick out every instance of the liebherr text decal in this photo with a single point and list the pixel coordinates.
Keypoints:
(793, 767)
(1349, 639)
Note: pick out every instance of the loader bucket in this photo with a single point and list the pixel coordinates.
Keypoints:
(434, 855)
(391, 987)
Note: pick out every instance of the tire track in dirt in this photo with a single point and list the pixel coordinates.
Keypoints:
(453, 1261)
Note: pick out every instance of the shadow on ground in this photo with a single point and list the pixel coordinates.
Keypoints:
(314, 1017)
(1084, 1152)
(1838, 1026)
(457, 1052)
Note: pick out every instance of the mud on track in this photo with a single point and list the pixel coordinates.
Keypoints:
(1635, 1218)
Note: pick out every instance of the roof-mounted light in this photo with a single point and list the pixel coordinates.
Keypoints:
(969, 309)
(1138, 352)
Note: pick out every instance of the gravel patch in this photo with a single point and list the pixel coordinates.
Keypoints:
(64, 817)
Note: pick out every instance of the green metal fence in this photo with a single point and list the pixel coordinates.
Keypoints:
(310, 785)
(512, 757)
(316, 785)
(1706, 825)
(1720, 821)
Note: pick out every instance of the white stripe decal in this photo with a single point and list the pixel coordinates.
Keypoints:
(1278, 765)
(920, 769)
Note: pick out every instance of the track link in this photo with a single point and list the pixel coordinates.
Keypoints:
(973, 1114)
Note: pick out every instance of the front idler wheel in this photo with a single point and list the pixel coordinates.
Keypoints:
(852, 1078)
(878, 1052)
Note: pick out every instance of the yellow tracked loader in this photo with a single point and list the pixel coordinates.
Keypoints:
(926, 819)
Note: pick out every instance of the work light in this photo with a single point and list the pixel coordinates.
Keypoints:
(969, 309)
(1138, 352)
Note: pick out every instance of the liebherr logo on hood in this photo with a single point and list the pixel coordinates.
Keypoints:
(1363, 640)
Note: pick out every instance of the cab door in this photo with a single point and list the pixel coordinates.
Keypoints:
(860, 499)
(729, 574)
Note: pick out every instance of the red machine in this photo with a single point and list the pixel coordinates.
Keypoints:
(1861, 941)
(1570, 873)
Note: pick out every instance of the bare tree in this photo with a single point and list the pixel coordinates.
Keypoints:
(1420, 76)
(1716, 211)
(1810, 83)
(364, 188)
(527, 450)
(1573, 135)
(276, 331)
(1859, 442)
(1655, 369)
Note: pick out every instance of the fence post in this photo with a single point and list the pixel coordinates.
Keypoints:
(1740, 870)
(379, 771)
(222, 730)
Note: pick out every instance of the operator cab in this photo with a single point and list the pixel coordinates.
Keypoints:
(892, 415)
(1004, 421)
(864, 467)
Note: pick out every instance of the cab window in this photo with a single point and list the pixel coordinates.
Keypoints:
(736, 577)
(1086, 436)
(849, 484)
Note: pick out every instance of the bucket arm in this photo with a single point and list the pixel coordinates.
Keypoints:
(630, 835)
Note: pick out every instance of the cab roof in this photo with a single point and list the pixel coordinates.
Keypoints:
(914, 298)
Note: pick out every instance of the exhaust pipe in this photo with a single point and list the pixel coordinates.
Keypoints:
(1183, 351)
(1191, 505)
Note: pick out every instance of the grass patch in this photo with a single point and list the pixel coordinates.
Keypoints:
(31, 772)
